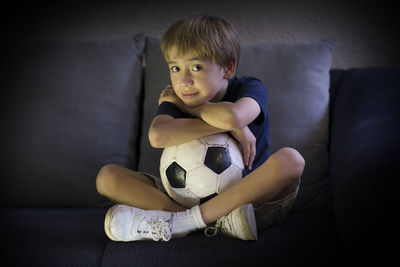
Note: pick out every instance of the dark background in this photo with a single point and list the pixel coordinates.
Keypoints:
(365, 31)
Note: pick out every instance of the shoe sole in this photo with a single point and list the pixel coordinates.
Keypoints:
(249, 227)
(107, 222)
(251, 218)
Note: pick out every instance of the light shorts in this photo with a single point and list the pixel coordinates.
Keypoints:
(268, 214)
(272, 213)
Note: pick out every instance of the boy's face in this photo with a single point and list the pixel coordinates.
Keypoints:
(195, 80)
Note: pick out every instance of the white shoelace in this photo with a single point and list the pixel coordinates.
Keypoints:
(155, 228)
(213, 230)
(224, 224)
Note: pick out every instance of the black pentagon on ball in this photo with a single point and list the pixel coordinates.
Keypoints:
(176, 175)
(217, 159)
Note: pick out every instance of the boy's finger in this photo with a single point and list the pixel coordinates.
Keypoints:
(252, 156)
(246, 156)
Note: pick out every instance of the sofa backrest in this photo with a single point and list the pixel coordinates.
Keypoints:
(74, 106)
(71, 107)
(297, 80)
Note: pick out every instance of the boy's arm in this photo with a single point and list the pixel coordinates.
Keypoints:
(167, 131)
(223, 115)
(231, 116)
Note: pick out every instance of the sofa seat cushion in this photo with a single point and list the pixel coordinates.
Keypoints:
(52, 237)
(71, 107)
(302, 239)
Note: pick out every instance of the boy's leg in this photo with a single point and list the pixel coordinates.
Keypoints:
(125, 186)
(148, 213)
(277, 177)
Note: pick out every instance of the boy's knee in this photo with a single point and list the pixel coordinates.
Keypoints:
(104, 179)
(292, 161)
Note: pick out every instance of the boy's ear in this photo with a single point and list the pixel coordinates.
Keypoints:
(230, 69)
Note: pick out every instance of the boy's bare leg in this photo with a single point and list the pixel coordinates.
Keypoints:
(272, 180)
(125, 186)
(143, 202)
(276, 177)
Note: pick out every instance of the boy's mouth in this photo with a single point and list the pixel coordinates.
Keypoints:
(189, 95)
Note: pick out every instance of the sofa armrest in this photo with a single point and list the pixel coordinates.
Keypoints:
(364, 151)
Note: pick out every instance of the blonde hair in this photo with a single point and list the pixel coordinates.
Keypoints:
(208, 36)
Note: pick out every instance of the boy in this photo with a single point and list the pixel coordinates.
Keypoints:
(204, 99)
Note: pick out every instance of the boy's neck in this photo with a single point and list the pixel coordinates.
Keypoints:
(221, 93)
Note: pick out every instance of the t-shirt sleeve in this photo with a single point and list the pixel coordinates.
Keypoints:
(256, 90)
(167, 108)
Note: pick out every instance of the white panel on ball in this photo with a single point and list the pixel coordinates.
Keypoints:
(229, 177)
(216, 139)
(202, 182)
(191, 155)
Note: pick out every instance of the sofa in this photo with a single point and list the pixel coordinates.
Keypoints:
(70, 107)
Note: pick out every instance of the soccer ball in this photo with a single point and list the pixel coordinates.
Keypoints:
(196, 171)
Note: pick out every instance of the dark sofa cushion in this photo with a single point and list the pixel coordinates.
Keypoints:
(52, 237)
(303, 239)
(70, 107)
(364, 160)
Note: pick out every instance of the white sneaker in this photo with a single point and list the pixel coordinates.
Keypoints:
(239, 223)
(125, 223)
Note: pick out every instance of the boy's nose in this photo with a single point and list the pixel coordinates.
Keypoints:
(186, 80)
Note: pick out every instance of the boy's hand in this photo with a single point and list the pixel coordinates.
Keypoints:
(248, 141)
(168, 95)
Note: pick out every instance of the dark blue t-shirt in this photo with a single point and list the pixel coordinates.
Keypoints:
(238, 88)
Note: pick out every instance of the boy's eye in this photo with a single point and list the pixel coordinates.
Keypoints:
(196, 68)
(174, 69)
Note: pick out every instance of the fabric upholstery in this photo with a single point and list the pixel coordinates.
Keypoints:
(364, 160)
(304, 239)
(52, 237)
(72, 107)
(156, 78)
